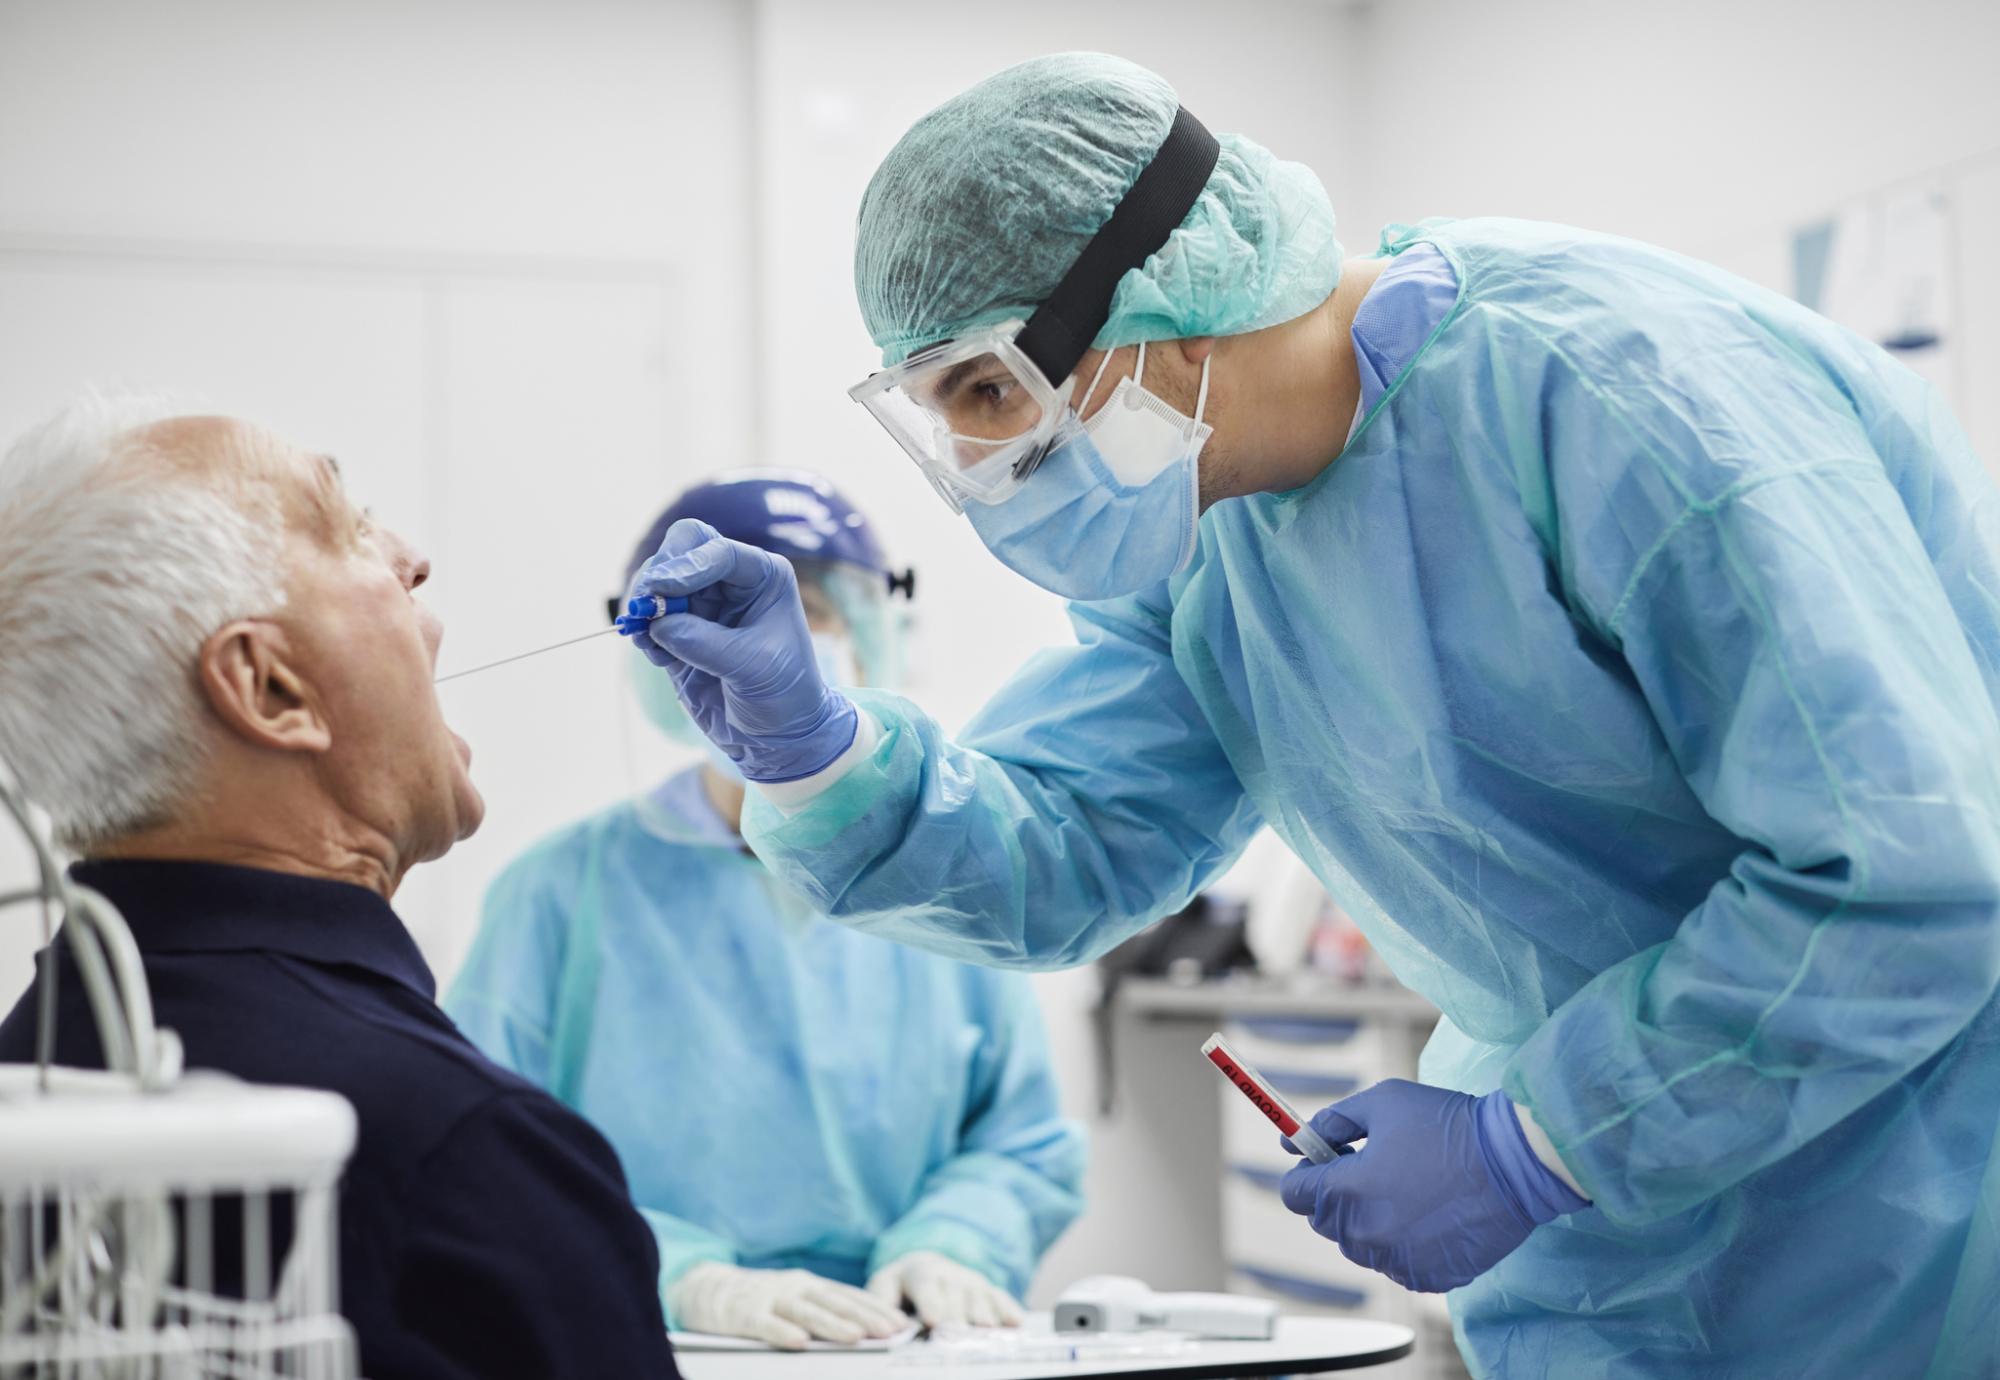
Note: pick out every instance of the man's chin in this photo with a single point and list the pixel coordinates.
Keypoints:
(469, 804)
(471, 811)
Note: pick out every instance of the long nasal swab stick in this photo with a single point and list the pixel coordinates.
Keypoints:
(639, 614)
(1258, 1089)
(523, 656)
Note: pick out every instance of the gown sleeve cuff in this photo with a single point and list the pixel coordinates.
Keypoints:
(954, 1241)
(1545, 1151)
(790, 797)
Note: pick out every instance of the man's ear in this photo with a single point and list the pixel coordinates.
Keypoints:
(1196, 348)
(255, 690)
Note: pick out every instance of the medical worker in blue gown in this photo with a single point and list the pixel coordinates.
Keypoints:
(823, 1128)
(1615, 639)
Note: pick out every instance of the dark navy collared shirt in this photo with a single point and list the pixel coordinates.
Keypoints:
(486, 1229)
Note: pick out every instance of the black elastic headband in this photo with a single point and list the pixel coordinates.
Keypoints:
(1062, 328)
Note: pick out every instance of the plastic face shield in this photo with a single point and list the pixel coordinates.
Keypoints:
(859, 600)
(974, 413)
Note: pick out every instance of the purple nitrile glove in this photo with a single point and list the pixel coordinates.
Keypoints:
(1446, 1186)
(741, 657)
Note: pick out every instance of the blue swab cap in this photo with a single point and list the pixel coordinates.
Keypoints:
(642, 610)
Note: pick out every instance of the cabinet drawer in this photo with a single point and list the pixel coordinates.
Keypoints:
(1258, 1230)
(1304, 1049)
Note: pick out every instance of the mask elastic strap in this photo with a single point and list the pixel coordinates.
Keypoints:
(1201, 398)
(1095, 379)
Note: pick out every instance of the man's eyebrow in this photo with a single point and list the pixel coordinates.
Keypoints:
(953, 379)
(328, 492)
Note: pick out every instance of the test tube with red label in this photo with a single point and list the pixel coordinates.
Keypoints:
(1258, 1089)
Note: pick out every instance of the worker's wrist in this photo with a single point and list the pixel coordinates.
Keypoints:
(792, 796)
(1545, 1150)
(1539, 1192)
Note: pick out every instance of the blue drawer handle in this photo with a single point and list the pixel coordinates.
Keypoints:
(1329, 1087)
(1304, 1290)
(1266, 1179)
(1300, 1030)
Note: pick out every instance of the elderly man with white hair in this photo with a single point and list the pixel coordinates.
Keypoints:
(215, 677)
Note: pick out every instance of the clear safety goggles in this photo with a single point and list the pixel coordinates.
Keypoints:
(978, 413)
(974, 413)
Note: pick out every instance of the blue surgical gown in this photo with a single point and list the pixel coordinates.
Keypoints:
(784, 1092)
(1631, 678)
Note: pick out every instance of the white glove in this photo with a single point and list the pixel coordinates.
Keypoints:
(944, 1292)
(785, 1308)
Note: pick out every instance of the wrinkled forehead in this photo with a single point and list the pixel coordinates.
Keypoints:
(259, 470)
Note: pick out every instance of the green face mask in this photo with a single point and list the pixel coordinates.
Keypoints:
(662, 708)
(660, 704)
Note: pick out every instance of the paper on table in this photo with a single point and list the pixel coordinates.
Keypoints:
(710, 1341)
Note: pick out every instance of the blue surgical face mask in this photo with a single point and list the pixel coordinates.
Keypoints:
(1112, 510)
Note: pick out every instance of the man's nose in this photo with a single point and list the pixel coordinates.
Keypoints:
(412, 566)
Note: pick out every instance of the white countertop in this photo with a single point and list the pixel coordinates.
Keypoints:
(1303, 1346)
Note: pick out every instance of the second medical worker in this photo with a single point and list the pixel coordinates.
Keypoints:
(822, 1128)
(1616, 640)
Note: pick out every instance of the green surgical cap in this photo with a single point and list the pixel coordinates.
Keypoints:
(980, 209)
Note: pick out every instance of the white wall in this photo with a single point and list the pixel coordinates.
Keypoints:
(493, 256)
(1714, 127)
(524, 267)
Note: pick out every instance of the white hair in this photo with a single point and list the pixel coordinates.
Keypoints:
(112, 576)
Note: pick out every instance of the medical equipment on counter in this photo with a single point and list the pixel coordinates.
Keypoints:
(125, 1193)
(1119, 1303)
(1268, 1100)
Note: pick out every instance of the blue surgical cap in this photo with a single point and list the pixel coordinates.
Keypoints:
(980, 209)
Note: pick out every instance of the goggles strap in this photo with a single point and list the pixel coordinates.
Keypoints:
(1062, 328)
